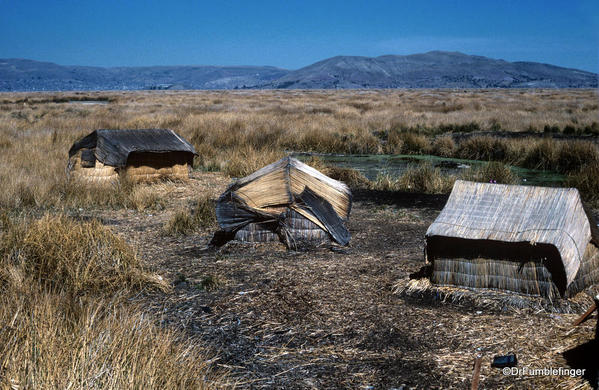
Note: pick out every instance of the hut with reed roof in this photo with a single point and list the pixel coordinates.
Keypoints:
(536, 241)
(287, 201)
(141, 155)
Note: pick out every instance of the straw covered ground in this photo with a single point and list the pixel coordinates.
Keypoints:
(260, 316)
(334, 318)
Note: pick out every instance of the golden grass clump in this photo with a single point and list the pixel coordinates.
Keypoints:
(143, 197)
(60, 253)
(425, 178)
(492, 172)
(247, 160)
(444, 146)
(65, 320)
(352, 177)
(204, 212)
(576, 155)
(485, 148)
(412, 143)
(542, 155)
(186, 222)
(384, 182)
(586, 180)
(180, 223)
(422, 177)
(44, 344)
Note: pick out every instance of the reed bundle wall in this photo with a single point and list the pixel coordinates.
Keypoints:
(141, 167)
(94, 172)
(522, 268)
(588, 273)
(146, 166)
(258, 232)
(293, 227)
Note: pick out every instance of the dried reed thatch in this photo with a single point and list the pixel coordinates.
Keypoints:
(288, 201)
(142, 155)
(530, 240)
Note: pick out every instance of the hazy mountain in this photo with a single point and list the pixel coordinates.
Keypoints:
(434, 69)
(28, 75)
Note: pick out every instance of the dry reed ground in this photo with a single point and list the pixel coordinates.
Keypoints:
(280, 319)
(331, 319)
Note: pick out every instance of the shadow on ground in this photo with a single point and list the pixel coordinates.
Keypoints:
(401, 199)
(584, 356)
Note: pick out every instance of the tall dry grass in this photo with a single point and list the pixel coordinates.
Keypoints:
(186, 221)
(65, 318)
(425, 178)
(422, 178)
(491, 172)
(587, 182)
(239, 131)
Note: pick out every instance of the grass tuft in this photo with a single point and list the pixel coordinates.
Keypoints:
(444, 146)
(425, 178)
(186, 222)
(586, 180)
(211, 282)
(492, 172)
(65, 322)
(66, 255)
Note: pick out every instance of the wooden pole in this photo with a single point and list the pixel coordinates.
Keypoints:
(586, 314)
(476, 373)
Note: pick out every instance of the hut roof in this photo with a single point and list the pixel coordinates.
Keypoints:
(514, 213)
(287, 183)
(112, 147)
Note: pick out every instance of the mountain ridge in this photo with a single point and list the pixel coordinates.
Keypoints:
(434, 69)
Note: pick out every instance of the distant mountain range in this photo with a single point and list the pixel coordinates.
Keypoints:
(435, 69)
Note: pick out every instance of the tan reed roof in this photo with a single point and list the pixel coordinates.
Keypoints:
(286, 184)
(513, 213)
(112, 147)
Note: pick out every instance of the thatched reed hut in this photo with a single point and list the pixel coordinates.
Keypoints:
(288, 201)
(530, 240)
(536, 241)
(141, 155)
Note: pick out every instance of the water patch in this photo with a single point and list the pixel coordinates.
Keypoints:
(371, 165)
(88, 102)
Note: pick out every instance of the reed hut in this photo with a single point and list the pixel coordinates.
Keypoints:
(287, 201)
(530, 240)
(141, 155)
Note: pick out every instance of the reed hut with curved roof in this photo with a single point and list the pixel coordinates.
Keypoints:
(530, 240)
(141, 155)
(287, 201)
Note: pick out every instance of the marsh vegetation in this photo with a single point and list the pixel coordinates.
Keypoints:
(83, 267)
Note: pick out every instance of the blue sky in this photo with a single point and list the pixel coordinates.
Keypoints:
(292, 34)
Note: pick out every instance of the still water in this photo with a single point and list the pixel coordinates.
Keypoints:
(371, 165)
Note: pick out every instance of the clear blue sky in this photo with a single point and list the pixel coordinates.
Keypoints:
(292, 34)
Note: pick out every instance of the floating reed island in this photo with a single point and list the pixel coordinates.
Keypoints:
(286, 201)
(140, 155)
